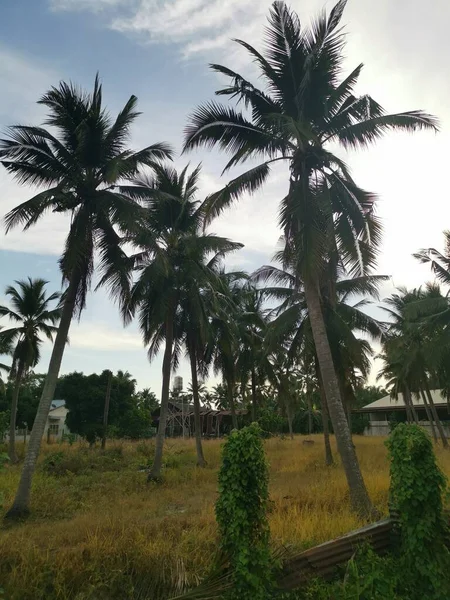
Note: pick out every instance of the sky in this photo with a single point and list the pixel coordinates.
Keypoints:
(159, 50)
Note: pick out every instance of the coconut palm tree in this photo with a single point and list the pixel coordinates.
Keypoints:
(222, 349)
(304, 107)
(252, 360)
(33, 316)
(5, 350)
(78, 162)
(411, 344)
(172, 266)
(344, 318)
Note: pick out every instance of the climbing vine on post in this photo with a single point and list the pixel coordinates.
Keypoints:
(417, 486)
(241, 512)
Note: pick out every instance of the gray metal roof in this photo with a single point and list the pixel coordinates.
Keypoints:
(57, 404)
(388, 403)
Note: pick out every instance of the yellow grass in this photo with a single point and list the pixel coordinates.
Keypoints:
(109, 534)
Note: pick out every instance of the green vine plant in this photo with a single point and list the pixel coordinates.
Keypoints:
(241, 512)
(417, 488)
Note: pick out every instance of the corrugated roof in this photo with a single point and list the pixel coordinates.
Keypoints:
(57, 404)
(389, 403)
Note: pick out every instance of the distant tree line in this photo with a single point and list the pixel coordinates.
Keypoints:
(130, 411)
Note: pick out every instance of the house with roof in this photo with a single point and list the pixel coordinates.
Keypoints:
(388, 409)
(55, 428)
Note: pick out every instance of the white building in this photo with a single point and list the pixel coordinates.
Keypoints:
(383, 410)
(55, 428)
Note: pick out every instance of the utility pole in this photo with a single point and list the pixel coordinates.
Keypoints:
(106, 409)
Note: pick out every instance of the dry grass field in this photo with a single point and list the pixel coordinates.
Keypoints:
(98, 530)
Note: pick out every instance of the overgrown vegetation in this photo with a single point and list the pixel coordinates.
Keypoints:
(98, 528)
(417, 488)
(241, 513)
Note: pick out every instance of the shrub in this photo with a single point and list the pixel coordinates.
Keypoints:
(82, 461)
(417, 485)
(241, 514)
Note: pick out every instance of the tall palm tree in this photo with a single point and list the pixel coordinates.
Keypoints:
(222, 349)
(32, 313)
(302, 110)
(344, 318)
(172, 265)
(252, 360)
(78, 162)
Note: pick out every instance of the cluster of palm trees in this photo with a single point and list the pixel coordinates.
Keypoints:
(416, 346)
(174, 281)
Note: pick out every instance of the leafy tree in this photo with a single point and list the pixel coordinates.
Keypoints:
(303, 109)
(33, 316)
(172, 266)
(84, 396)
(78, 162)
(29, 395)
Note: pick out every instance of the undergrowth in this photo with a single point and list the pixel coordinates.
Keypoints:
(99, 526)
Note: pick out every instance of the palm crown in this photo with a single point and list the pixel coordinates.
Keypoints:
(304, 107)
(32, 313)
(79, 165)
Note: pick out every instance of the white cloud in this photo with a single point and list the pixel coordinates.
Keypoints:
(101, 336)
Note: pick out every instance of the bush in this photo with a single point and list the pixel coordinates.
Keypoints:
(83, 460)
(417, 485)
(241, 514)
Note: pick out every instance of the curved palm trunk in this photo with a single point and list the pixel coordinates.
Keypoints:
(325, 421)
(12, 422)
(435, 415)
(201, 462)
(429, 415)
(155, 471)
(358, 493)
(230, 388)
(21, 504)
(254, 399)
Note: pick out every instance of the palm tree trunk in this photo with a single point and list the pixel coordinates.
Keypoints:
(155, 471)
(325, 421)
(13, 418)
(289, 416)
(254, 401)
(358, 493)
(106, 409)
(429, 416)
(410, 404)
(21, 504)
(201, 462)
(310, 419)
(434, 413)
(230, 391)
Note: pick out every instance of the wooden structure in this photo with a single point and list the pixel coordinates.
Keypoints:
(321, 561)
(180, 420)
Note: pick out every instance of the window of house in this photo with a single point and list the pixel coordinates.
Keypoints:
(53, 428)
